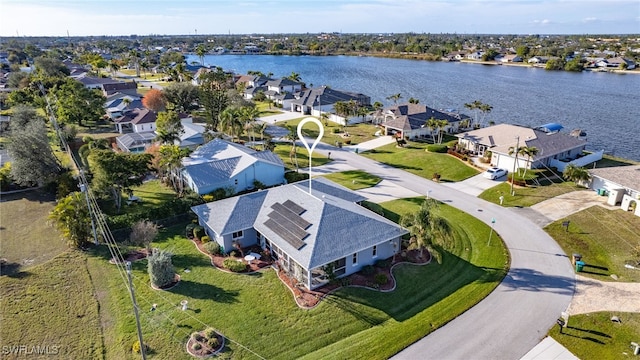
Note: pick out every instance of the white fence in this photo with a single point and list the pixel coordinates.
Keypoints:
(588, 159)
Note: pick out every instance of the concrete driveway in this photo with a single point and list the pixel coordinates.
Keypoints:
(284, 116)
(475, 185)
(519, 312)
(566, 204)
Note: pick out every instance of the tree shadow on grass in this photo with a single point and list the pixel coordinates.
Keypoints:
(198, 290)
(12, 270)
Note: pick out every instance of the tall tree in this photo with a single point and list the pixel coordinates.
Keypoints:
(201, 51)
(413, 100)
(214, 95)
(529, 152)
(182, 97)
(75, 104)
(72, 219)
(169, 162)
(428, 229)
(33, 159)
(116, 173)
(154, 100)
(231, 122)
(517, 152)
(168, 127)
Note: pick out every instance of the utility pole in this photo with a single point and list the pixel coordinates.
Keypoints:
(143, 349)
(83, 189)
(513, 174)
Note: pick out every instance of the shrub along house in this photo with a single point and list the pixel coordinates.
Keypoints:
(311, 234)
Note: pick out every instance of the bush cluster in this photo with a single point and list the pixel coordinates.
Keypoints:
(437, 148)
(198, 232)
(234, 265)
(368, 270)
(293, 176)
(380, 279)
(205, 239)
(212, 247)
(170, 208)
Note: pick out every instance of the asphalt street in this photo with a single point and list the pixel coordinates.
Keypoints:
(518, 313)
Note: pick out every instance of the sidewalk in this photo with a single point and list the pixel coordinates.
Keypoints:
(549, 349)
(371, 144)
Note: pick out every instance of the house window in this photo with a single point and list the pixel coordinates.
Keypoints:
(375, 250)
(339, 267)
(354, 259)
(236, 181)
(237, 235)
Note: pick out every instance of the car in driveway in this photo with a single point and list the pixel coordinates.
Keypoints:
(494, 173)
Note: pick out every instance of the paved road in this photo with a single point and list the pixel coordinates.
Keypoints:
(517, 315)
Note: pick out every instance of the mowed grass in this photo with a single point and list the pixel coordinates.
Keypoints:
(283, 150)
(354, 179)
(526, 196)
(151, 193)
(266, 109)
(358, 132)
(414, 159)
(595, 336)
(27, 237)
(52, 306)
(258, 311)
(604, 238)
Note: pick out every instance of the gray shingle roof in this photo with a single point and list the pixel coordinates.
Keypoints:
(339, 227)
(626, 176)
(414, 116)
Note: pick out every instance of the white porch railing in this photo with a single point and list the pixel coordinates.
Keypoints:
(587, 159)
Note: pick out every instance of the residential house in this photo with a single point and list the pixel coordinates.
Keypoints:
(322, 99)
(119, 103)
(410, 120)
(536, 60)
(475, 55)
(192, 135)
(223, 164)
(509, 58)
(108, 86)
(455, 56)
(135, 142)
(137, 120)
(278, 89)
(309, 232)
(616, 63)
(621, 184)
(555, 148)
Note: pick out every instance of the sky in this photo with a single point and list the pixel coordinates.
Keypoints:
(165, 17)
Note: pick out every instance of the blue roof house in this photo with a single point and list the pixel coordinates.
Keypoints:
(223, 164)
(309, 233)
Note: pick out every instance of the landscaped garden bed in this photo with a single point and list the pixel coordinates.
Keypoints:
(205, 343)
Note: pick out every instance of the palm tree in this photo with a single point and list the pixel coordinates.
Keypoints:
(294, 76)
(577, 174)
(249, 115)
(293, 154)
(231, 123)
(474, 106)
(485, 109)
(171, 159)
(529, 152)
(428, 229)
(135, 56)
(71, 217)
(432, 124)
(441, 124)
(519, 151)
(201, 51)
(394, 97)
(413, 100)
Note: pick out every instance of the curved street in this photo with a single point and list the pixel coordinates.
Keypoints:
(518, 313)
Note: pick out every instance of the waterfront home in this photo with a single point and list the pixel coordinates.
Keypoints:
(538, 60)
(410, 120)
(508, 58)
(616, 63)
(555, 148)
(310, 233)
(223, 164)
(621, 185)
(322, 99)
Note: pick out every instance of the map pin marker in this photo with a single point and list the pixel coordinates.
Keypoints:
(306, 144)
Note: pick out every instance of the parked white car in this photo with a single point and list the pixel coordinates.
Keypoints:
(494, 173)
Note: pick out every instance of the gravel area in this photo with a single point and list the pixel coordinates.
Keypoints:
(594, 295)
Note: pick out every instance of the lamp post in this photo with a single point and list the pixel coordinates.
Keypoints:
(493, 221)
(513, 174)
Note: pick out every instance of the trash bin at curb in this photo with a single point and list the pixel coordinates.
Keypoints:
(579, 266)
(576, 257)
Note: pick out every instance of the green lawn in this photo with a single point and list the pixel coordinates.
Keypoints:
(27, 238)
(354, 179)
(359, 132)
(152, 194)
(52, 305)
(283, 151)
(604, 238)
(595, 336)
(266, 108)
(526, 196)
(414, 159)
(610, 161)
(258, 311)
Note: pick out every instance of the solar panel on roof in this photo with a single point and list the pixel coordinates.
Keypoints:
(286, 223)
(284, 234)
(290, 215)
(290, 205)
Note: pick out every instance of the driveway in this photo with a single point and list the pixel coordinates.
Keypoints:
(284, 116)
(475, 185)
(519, 312)
(566, 204)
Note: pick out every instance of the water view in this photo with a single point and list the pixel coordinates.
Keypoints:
(604, 105)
